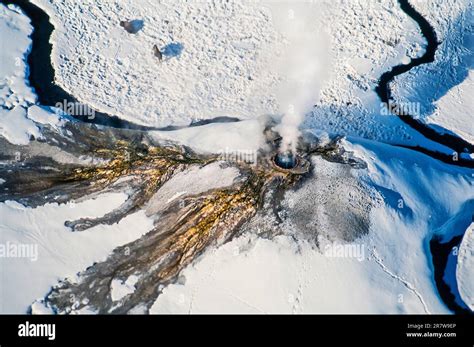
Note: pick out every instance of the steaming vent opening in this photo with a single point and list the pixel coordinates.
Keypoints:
(286, 161)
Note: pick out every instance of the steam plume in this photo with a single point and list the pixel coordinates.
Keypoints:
(301, 66)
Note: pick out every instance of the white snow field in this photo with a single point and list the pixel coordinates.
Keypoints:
(465, 268)
(20, 118)
(454, 110)
(219, 137)
(231, 58)
(220, 61)
(16, 127)
(258, 275)
(15, 94)
(211, 67)
(53, 252)
(59, 252)
(15, 44)
(120, 289)
(191, 182)
(444, 88)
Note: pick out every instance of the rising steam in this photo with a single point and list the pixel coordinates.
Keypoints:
(302, 66)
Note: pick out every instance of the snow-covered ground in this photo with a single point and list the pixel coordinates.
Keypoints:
(213, 67)
(15, 44)
(16, 127)
(115, 72)
(191, 182)
(367, 39)
(394, 274)
(120, 289)
(20, 118)
(15, 94)
(219, 137)
(464, 271)
(55, 251)
(254, 275)
(36, 249)
(228, 65)
(444, 88)
(454, 110)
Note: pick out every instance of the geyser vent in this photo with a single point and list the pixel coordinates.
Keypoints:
(286, 161)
